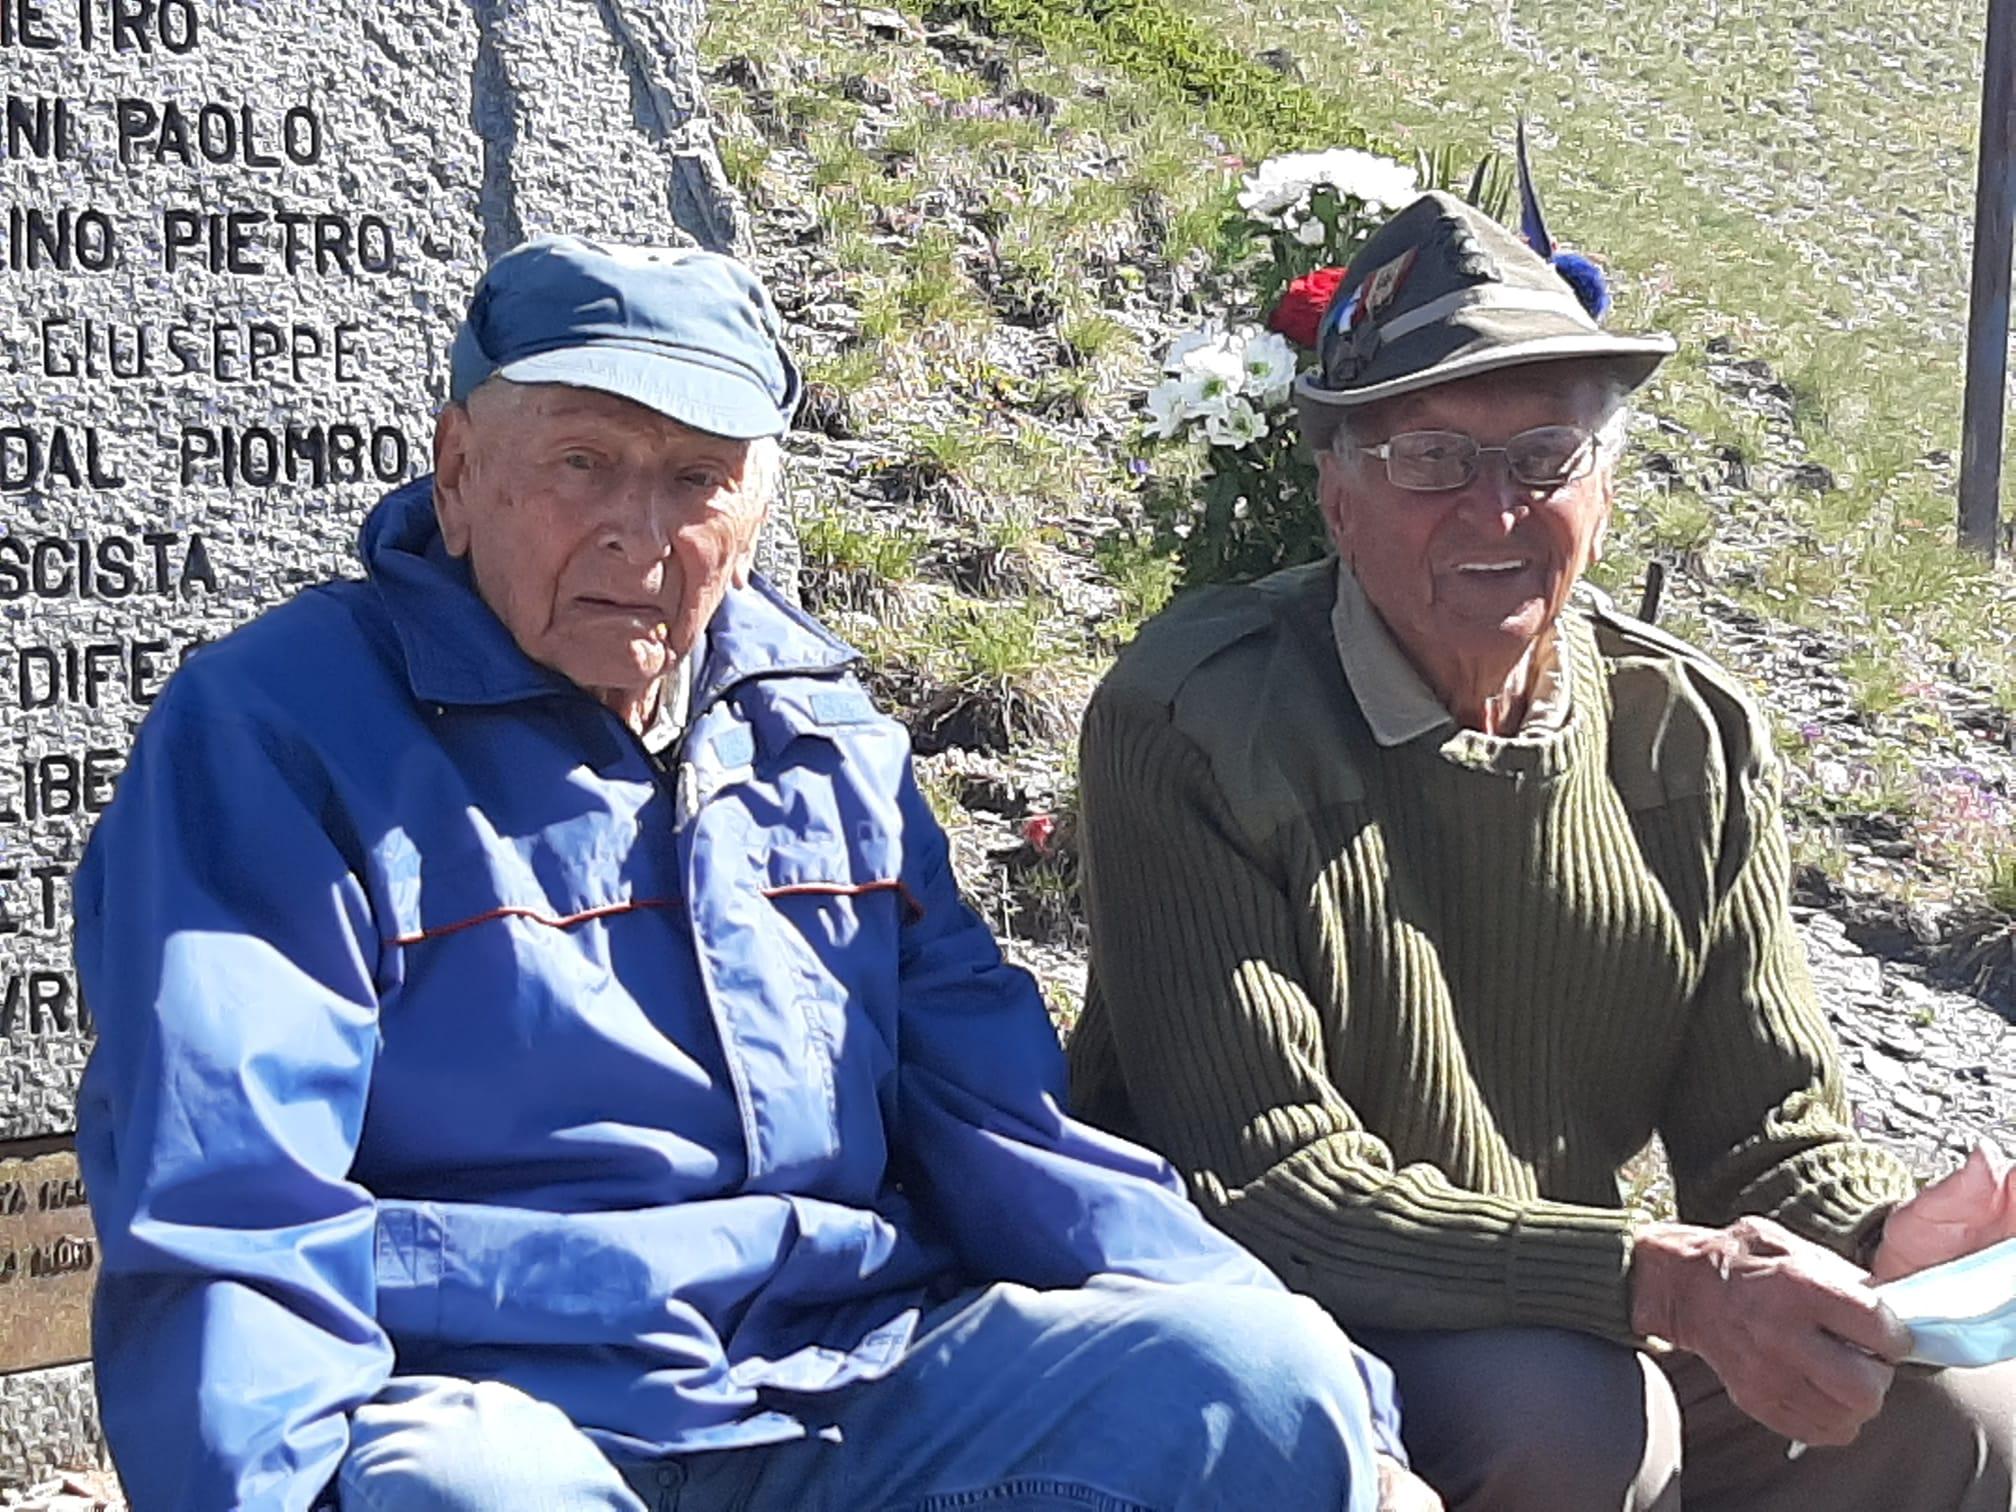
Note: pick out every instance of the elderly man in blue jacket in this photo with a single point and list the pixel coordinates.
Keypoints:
(544, 1060)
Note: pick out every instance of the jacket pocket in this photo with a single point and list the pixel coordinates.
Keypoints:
(408, 1267)
(836, 936)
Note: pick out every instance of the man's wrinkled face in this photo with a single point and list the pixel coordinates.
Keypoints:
(1475, 574)
(602, 533)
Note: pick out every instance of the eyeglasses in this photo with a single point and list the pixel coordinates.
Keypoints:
(1435, 461)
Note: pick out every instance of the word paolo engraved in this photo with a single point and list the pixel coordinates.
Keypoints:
(164, 132)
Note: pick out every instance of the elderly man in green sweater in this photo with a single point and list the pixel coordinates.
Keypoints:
(1425, 889)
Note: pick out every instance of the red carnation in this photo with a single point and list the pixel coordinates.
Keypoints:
(1303, 304)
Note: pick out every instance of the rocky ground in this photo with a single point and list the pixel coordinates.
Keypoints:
(73, 1491)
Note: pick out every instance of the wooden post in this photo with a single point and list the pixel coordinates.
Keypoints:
(1988, 302)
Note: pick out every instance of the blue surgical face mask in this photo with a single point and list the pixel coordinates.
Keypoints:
(1962, 1313)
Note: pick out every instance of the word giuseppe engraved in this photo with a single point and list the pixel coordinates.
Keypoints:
(257, 351)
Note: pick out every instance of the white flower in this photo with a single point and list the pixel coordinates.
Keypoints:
(1219, 367)
(1235, 425)
(1223, 379)
(1277, 187)
(1205, 335)
(1310, 232)
(1166, 408)
(1195, 395)
(1378, 183)
(1277, 192)
(1270, 367)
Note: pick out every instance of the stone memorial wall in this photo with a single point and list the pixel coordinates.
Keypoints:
(235, 236)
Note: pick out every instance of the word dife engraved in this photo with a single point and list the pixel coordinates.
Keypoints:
(48, 1261)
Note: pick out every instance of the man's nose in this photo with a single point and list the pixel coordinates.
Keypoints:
(1494, 496)
(638, 525)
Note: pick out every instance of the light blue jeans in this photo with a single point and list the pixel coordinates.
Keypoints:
(1118, 1397)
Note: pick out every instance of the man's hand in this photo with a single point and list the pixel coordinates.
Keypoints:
(1964, 1211)
(1401, 1490)
(1799, 1341)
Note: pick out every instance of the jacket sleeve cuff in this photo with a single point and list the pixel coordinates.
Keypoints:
(1570, 1268)
(1837, 1195)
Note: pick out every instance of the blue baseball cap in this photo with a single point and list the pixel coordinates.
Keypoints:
(691, 334)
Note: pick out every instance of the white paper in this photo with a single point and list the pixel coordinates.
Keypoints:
(1962, 1312)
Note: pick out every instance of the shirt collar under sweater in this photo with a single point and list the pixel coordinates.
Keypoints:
(1397, 703)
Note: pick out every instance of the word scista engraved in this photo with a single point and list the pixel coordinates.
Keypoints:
(155, 564)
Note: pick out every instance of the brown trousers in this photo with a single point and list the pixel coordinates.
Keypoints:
(1542, 1420)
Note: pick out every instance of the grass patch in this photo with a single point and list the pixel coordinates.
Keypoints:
(1156, 41)
(1093, 339)
(1876, 679)
(850, 369)
(743, 159)
(835, 539)
(1145, 580)
(1998, 885)
(988, 645)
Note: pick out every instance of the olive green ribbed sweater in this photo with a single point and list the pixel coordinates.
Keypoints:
(1399, 1015)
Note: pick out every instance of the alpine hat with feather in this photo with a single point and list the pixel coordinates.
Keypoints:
(1442, 292)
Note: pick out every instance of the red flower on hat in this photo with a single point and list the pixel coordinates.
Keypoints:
(1300, 313)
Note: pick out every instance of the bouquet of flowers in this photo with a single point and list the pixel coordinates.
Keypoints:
(1236, 495)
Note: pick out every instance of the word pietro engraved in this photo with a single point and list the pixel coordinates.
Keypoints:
(138, 26)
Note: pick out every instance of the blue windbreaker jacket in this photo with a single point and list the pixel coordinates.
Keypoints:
(440, 1032)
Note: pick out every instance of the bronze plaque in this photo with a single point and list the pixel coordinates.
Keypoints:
(48, 1261)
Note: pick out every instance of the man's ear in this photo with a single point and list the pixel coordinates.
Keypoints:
(1332, 484)
(451, 471)
(745, 555)
(1603, 522)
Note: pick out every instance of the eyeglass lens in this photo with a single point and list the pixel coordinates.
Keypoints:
(1544, 457)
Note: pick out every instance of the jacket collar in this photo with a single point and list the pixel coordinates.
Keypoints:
(458, 652)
